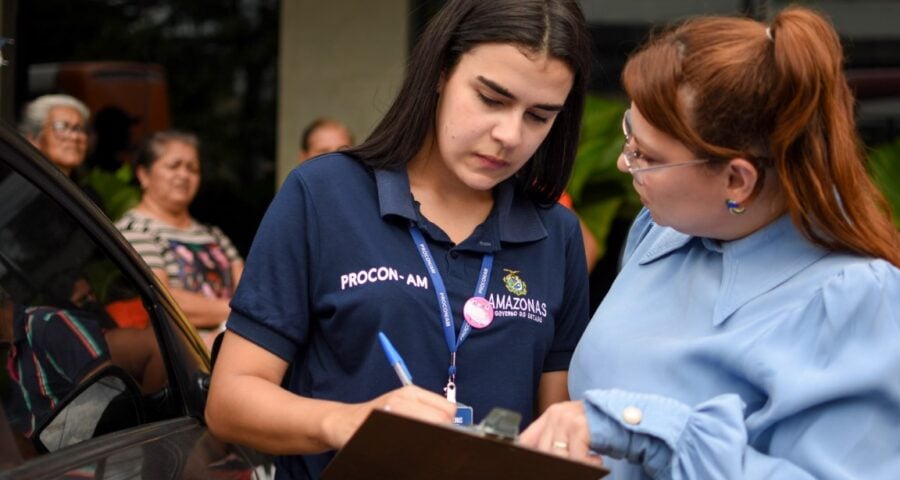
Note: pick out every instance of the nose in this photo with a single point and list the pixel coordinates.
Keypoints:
(508, 130)
(620, 162)
(184, 173)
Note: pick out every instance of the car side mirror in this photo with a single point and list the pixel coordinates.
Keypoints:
(107, 401)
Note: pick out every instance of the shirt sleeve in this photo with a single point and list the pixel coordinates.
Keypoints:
(834, 414)
(147, 247)
(573, 316)
(271, 306)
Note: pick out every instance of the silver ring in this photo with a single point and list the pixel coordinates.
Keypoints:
(560, 444)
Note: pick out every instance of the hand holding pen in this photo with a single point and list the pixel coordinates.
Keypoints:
(408, 400)
(411, 400)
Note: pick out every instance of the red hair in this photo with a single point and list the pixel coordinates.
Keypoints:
(729, 87)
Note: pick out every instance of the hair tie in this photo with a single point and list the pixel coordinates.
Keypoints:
(769, 34)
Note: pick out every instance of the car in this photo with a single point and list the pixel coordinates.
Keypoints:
(102, 377)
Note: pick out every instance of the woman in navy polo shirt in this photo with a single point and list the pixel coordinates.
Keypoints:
(752, 331)
(441, 230)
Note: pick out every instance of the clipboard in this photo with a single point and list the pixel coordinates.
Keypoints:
(392, 446)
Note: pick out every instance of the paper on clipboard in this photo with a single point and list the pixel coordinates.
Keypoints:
(397, 447)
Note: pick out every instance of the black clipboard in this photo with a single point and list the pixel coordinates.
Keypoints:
(397, 447)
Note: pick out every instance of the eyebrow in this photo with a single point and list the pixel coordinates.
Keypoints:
(506, 93)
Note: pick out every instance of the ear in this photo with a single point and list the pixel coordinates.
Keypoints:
(141, 173)
(34, 140)
(742, 178)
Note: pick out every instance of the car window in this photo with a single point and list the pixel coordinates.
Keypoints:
(67, 314)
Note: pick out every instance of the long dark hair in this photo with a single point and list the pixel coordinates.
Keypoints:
(731, 87)
(556, 27)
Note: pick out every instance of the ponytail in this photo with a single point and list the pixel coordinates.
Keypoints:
(814, 146)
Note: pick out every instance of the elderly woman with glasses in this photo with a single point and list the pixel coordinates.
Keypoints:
(57, 126)
(752, 331)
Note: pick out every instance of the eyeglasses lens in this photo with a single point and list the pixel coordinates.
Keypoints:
(627, 153)
(66, 128)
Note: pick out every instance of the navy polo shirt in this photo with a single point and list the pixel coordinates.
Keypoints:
(333, 263)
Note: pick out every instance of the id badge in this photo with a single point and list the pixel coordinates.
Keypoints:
(464, 415)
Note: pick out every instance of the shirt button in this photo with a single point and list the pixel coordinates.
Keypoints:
(454, 255)
(632, 415)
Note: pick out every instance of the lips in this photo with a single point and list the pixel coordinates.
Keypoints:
(73, 151)
(181, 187)
(491, 162)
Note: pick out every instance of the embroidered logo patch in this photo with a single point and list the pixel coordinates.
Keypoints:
(514, 284)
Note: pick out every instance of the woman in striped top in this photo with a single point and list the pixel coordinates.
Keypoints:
(198, 262)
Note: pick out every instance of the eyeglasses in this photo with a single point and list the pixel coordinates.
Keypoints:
(63, 129)
(637, 163)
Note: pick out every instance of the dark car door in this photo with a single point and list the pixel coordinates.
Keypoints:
(102, 376)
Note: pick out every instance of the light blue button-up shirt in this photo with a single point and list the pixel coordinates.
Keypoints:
(764, 357)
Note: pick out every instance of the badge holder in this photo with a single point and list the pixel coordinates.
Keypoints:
(464, 415)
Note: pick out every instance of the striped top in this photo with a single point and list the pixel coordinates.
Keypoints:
(53, 351)
(197, 258)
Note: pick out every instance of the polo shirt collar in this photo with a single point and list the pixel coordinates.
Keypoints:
(751, 266)
(514, 219)
(394, 197)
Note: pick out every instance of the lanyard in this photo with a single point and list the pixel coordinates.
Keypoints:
(453, 341)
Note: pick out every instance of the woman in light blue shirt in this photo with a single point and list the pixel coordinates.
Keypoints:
(753, 331)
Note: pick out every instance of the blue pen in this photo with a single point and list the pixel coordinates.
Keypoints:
(395, 360)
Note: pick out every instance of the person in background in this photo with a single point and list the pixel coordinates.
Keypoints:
(443, 232)
(752, 330)
(323, 135)
(57, 125)
(198, 262)
(52, 350)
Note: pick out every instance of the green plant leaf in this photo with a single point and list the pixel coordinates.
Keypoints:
(600, 192)
(115, 189)
(884, 166)
(598, 216)
(600, 143)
